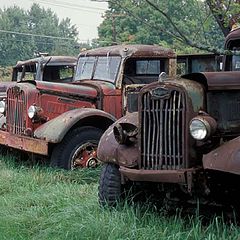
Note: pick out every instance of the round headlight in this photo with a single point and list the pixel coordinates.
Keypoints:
(32, 111)
(198, 129)
(2, 107)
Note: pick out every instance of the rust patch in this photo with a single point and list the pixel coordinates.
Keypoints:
(24, 143)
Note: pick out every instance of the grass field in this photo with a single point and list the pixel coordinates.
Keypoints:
(40, 203)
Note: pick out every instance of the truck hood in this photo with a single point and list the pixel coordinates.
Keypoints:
(4, 86)
(216, 80)
(67, 89)
(106, 88)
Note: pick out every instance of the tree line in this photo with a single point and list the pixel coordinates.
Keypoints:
(23, 32)
(188, 26)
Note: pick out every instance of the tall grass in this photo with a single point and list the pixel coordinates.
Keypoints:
(41, 203)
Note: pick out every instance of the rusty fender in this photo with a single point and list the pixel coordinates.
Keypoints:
(54, 130)
(225, 158)
(109, 150)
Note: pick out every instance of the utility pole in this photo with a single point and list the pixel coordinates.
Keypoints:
(114, 32)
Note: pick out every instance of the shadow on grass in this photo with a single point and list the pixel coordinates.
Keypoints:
(23, 164)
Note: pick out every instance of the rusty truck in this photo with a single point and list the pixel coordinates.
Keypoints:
(183, 141)
(64, 122)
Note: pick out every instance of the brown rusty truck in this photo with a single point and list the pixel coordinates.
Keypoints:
(184, 140)
(64, 122)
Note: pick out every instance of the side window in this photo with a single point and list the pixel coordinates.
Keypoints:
(66, 74)
(181, 67)
(235, 63)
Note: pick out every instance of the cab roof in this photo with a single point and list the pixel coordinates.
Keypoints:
(131, 51)
(51, 60)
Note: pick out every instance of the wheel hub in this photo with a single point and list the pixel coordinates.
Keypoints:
(85, 156)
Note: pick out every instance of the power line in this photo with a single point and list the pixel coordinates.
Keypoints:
(36, 35)
(3, 40)
(71, 4)
(67, 6)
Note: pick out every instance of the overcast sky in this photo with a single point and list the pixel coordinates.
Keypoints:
(85, 14)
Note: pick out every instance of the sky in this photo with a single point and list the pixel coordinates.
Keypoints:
(85, 14)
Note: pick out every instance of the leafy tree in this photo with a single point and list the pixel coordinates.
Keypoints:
(42, 32)
(226, 13)
(176, 24)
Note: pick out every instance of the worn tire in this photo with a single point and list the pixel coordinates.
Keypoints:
(63, 152)
(109, 185)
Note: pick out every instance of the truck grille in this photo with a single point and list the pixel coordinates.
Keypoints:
(16, 111)
(163, 131)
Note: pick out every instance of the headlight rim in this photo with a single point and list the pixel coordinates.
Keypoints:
(205, 124)
(4, 106)
(34, 112)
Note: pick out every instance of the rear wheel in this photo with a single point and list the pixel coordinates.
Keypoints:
(78, 149)
(110, 185)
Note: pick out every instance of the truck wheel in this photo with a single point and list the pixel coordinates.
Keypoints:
(78, 149)
(109, 191)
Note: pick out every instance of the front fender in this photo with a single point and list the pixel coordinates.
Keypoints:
(225, 158)
(109, 150)
(54, 130)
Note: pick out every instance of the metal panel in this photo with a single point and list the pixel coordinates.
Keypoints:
(163, 132)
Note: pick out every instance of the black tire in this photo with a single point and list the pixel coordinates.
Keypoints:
(110, 185)
(62, 155)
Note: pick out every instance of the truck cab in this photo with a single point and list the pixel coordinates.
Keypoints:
(64, 122)
(232, 58)
(45, 68)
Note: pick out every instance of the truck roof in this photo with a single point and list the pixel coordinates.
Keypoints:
(131, 51)
(233, 35)
(52, 60)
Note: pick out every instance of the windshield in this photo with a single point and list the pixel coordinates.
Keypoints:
(98, 68)
(25, 72)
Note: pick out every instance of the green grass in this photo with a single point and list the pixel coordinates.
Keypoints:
(40, 203)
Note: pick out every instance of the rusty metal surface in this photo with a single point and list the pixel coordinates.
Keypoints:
(165, 113)
(163, 176)
(225, 158)
(109, 150)
(131, 51)
(67, 89)
(54, 130)
(51, 60)
(24, 143)
(216, 80)
(163, 129)
(5, 85)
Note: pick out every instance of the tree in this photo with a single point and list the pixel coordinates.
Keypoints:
(188, 25)
(38, 29)
(226, 13)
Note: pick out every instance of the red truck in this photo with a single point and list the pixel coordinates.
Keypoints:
(64, 122)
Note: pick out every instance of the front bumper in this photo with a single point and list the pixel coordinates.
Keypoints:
(24, 143)
(164, 176)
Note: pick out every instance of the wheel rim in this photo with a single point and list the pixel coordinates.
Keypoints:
(85, 156)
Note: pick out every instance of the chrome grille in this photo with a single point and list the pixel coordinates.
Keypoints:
(16, 111)
(163, 132)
